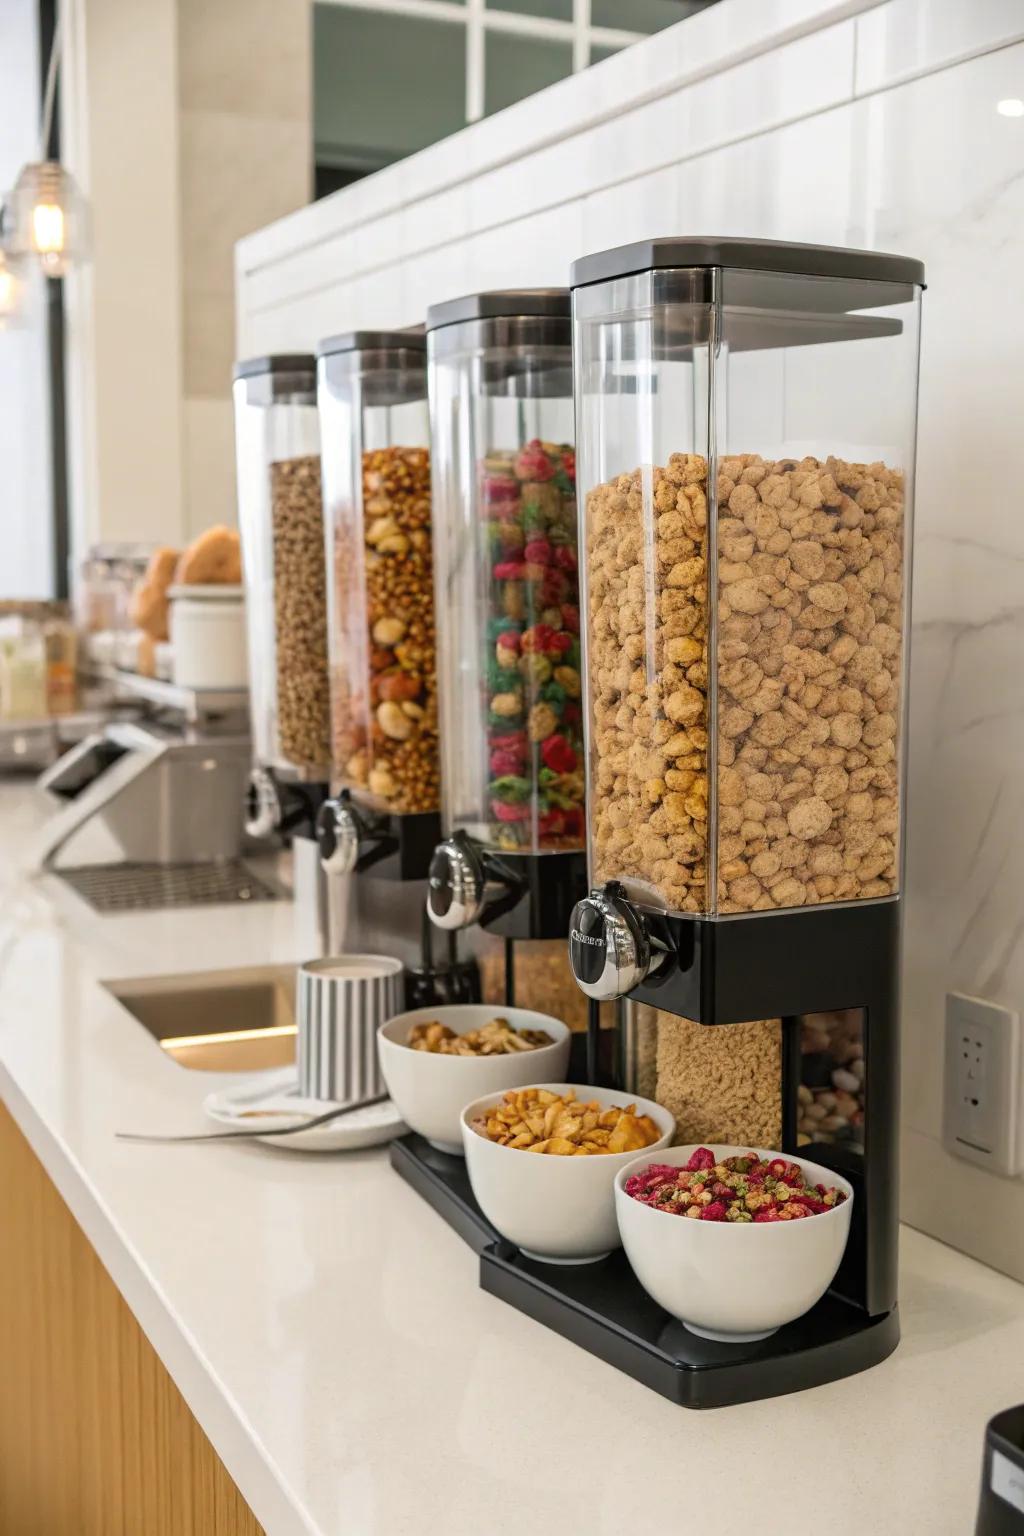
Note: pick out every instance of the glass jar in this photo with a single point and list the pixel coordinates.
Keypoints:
(61, 644)
(103, 587)
(505, 550)
(277, 446)
(746, 414)
(22, 668)
(375, 435)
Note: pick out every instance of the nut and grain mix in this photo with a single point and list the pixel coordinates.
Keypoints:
(831, 1097)
(534, 714)
(810, 618)
(537, 1120)
(745, 1189)
(385, 739)
(495, 1038)
(300, 611)
(722, 1083)
(543, 981)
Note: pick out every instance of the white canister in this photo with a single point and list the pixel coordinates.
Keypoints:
(163, 661)
(208, 636)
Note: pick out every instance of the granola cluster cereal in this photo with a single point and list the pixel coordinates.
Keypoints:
(810, 619)
(721, 1083)
(745, 1189)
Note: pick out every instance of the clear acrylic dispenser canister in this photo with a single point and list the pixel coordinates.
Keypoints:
(746, 415)
(505, 550)
(277, 449)
(376, 475)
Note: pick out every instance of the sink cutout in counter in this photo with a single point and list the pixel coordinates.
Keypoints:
(217, 1021)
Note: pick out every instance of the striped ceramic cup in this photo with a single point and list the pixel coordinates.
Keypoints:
(340, 1003)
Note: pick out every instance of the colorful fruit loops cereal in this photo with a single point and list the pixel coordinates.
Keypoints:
(534, 714)
(744, 1188)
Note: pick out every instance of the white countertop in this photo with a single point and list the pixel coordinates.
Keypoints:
(328, 1332)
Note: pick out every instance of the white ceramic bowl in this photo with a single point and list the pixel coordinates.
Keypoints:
(733, 1281)
(429, 1090)
(557, 1209)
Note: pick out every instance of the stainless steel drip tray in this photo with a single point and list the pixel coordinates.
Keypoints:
(152, 887)
(217, 1021)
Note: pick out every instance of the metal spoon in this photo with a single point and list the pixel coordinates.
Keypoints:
(289, 1130)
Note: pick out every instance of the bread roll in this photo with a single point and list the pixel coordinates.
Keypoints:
(149, 610)
(146, 663)
(215, 557)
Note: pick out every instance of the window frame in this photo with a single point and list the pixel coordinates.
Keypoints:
(478, 19)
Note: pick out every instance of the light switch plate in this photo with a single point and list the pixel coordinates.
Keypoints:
(982, 1094)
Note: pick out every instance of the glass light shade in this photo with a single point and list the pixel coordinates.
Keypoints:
(45, 219)
(10, 295)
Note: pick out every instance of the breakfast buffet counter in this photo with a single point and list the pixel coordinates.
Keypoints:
(327, 1331)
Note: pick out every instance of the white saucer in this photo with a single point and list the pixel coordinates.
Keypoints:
(278, 1093)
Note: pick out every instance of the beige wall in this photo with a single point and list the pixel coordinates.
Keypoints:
(188, 124)
(120, 139)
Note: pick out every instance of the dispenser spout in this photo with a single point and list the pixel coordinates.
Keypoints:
(338, 834)
(611, 950)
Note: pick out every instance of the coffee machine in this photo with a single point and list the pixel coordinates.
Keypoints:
(511, 863)
(378, 829)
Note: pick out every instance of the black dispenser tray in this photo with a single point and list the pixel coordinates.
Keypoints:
(603, 1308)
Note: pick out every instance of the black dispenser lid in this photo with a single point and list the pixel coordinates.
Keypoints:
(275, 362)
(413, 340)
(753, 255)
(502, 304)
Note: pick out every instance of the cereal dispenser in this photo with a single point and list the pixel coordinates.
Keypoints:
(505, 550)
(746, 420)
(280, 517)
(383, 813)
(372, 390)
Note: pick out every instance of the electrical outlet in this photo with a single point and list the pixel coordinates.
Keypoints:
(983, 1089)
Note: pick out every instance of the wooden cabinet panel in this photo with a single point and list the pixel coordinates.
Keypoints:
(95, 1438)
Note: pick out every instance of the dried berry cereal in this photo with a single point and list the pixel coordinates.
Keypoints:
(746, 1188)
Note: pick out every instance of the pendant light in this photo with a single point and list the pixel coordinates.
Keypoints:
(10, 295)
(44, 218)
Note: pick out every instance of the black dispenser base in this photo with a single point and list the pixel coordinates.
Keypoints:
(603, 1308)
